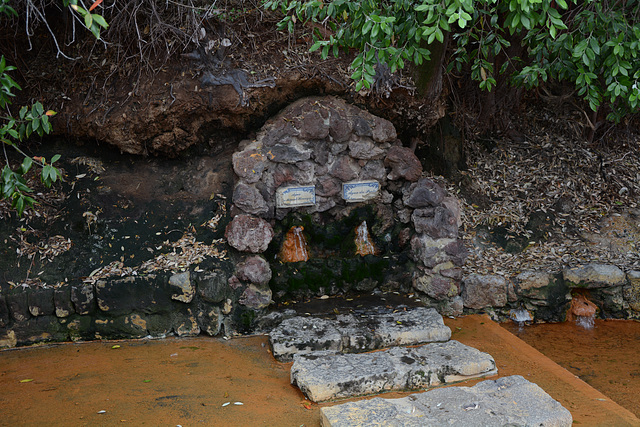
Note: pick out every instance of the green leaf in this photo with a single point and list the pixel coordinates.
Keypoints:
(55, 158)
(38, 109)
(444, 24)
(623, 70)
(18, 205)
(48, 175)
(369, 56)
(35, 124)
(88, 20)
(315, 46)
(7, 190)
(439, 35)
(357, 61)
(515, 21)
(366, 27)
(368, 80)
(369, 70)
(428, 31)
(44, 122)
(78, 9)
(54, 173)
(98, 19)
(95, 30)
(6, 173)
(374, 31)
(26, 165)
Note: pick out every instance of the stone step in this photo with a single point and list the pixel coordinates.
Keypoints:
(505, 401)
(329, 375)
(357, 333)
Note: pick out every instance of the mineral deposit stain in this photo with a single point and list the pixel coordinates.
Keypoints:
(168, 382)
(582, 311)
(294, 247)
(364, 244)
(73, 382)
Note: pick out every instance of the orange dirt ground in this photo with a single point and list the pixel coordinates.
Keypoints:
(186, 381)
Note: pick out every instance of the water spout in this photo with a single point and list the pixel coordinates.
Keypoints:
(582, 311)
(586, 322)
(364, 245)
(294, 247)
(520, 316)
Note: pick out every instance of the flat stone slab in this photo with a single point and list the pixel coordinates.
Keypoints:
(511, 401)
(353, 334)
(329, 375)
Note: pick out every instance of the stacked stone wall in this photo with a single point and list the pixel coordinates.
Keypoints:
(547, 296)
(324, 144)
(327, 145)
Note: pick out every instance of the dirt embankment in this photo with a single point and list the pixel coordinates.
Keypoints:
(208, 92)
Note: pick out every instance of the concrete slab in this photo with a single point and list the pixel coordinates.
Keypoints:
(329, 375)
(357, 333)
(506, 401)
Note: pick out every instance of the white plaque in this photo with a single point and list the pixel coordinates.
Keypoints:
(360, 191)
(290, 197)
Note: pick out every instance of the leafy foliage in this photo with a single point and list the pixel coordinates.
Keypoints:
(593, 43)
(599, 53)
(14, 184)
(6, 9)
(6, 84)
(30, 120)
(93, 21)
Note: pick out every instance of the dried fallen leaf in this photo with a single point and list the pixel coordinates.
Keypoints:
(27, 380)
